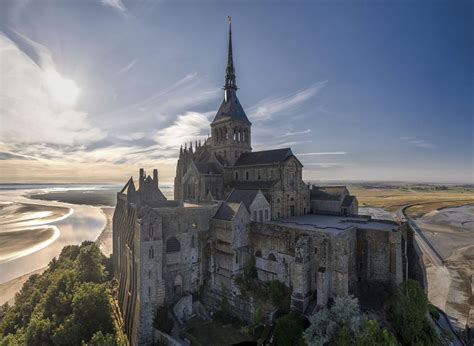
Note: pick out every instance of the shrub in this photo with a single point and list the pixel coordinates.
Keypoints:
(289, 330)
(407, 311)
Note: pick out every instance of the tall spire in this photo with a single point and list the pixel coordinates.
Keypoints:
(230, 72)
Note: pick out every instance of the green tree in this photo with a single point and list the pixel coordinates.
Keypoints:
(289, 330)
(371, 334)
(407, 310)
(89, 264)
(325, 325)
(100, 339)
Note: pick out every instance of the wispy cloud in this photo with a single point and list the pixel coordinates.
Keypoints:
(267, 108)
(127, 67)
(323, 153)
(116, 4)
(297, 133)
(418, 142)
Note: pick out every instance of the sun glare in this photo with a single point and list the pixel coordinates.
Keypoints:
(62, 90)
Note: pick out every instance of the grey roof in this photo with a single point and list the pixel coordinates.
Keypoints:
(208, 168)
(227, 211)
(348, 200)
(265, 157)
(231, 110)
(327, 193)
(252, 185)
(245, 196)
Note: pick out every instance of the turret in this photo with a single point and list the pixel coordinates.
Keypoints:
(155, 176)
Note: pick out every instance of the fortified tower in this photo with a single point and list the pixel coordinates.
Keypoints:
(230, 128)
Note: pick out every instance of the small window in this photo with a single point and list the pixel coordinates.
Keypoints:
(278, 200)
(225, 153)
(258, 175)
(193, 242)
(260, 215)
(237, 258)
(292, 199)
(151, 253)
(315, 250)
(247, 175)
(258, 253)
(150, 234)
(149, 291)
(254, 215)
(236, 175)
(266, 214)
(271, 257)
(278, 214)
(149, 274)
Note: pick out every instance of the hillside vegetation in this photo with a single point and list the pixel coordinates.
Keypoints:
(69, 304)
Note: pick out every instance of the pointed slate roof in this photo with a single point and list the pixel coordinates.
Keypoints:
(227, 211)
(230, 108)
(244, 196)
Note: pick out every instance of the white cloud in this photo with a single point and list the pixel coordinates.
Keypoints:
(116, 4)
(418, 142)
(297, 133)
(36, 106)
(268, 107)
(187, 127)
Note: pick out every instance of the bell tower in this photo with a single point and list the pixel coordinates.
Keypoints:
(231, 129)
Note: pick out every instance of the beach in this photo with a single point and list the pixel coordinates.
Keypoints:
(33, 231)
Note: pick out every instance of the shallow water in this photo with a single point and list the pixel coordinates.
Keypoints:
(70, 224)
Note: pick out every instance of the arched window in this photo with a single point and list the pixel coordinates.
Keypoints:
(151, 233)
(151, 253)
(258, 253)
(193, 241)
(172, 245)
(236, 175)
(247, 175)
(271, 257)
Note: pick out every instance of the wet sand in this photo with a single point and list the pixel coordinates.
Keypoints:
(451, 287)
(105, 238)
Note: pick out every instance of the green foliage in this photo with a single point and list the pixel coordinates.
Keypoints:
(371, 334)
(343, 324)
(289, 330)
(258, 317)
(162, 321)
(250, 271)
(433, 311)
(407, 311)
(67, 305)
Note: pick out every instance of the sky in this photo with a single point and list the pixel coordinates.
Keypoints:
(92, 90)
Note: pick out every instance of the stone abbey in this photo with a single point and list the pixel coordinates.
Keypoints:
(233, 206)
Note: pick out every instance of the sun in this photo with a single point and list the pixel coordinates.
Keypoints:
(62, 90)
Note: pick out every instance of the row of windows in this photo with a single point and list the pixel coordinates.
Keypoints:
(259, 174)
(239, 135)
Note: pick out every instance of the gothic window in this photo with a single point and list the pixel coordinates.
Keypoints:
(237, 258)
(173, 245)
(258, 175)
(292, 199)
(258, 253)
(149, 274)
(260, 215)
(225, 153)
(150, 235)
(270, 174)
(149, 291)
(151, 253)
(266, 214)
(236, 175)
(278, 200)
(271, 257)
(254, 215)
(193, 240)
(247, 175)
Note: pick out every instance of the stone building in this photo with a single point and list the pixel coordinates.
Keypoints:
(232, 205)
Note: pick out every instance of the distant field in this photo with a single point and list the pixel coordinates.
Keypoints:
(432, 198)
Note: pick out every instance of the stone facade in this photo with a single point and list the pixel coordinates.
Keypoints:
(233, 205)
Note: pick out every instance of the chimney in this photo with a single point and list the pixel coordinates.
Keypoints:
(141, 178)
(155, 176)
